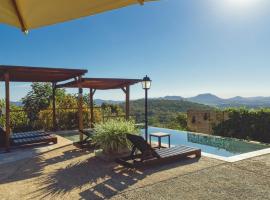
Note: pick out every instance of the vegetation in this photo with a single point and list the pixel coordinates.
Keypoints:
(164, 113)
(179, 122)
(111, 135)
(18, 120)
(37, 99)
(246, 124)
(36, 113)
(66, 114)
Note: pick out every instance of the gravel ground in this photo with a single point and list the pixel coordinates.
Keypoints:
(71, 173)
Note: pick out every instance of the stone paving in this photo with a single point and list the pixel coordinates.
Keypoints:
(71, 173)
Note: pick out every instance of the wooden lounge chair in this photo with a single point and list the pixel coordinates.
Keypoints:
(150, 156)
(31, 137)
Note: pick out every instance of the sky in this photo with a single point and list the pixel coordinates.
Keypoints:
(187, 47)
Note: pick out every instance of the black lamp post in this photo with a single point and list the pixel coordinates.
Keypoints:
(146, 84)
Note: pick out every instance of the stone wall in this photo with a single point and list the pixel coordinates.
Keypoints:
(202, 121)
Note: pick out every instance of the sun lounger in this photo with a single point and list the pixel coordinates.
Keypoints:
(88, 134)
(29, 134)
(31, 137)
(149, 156)
(34, 140)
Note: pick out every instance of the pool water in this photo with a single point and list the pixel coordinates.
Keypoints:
(225, 147)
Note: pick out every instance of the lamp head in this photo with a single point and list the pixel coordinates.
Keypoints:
(146, 82)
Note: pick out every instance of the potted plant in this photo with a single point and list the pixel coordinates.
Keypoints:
(110, 136)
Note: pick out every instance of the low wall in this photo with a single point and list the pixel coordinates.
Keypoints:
(202, 121)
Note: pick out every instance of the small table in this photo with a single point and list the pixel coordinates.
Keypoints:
(159, 136)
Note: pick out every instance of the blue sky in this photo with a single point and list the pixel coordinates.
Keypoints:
(187, 47)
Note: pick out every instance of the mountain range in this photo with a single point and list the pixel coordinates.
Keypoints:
(206, 99)
(213, 100)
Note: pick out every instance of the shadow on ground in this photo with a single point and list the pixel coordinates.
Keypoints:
(31, 168)
(95, 179)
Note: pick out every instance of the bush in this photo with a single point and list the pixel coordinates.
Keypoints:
(246, 124)
(111, 135)
(19, 121)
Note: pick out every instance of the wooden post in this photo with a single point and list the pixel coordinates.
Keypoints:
(6, 77)
(54, 106)
(91, 99)
(80, 111)
(127, 102)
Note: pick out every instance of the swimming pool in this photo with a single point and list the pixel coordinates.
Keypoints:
(219, 146)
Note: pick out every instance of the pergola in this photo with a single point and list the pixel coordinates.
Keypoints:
(94, 84)
(34, 74)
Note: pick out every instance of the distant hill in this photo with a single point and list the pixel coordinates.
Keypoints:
(208, 99)
(172, 98)
(238, 101)
(213, 100)
(161, 111)
(16, 103)
(99, 102)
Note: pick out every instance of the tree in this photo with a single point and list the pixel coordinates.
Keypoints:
(38, 99)
(181, 119)
(111, 109)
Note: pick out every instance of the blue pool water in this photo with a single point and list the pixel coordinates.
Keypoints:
(225, 147)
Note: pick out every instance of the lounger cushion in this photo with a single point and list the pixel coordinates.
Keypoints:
(40, 139)
(29, 134)
(173, 151)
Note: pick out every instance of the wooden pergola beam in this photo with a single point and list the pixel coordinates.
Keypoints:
(80, 108)
(9, 73)
(127, 102)
(101, 83)
(7, 144)
(104, 84)
(54, 107)
(126, 90)
(91, 99)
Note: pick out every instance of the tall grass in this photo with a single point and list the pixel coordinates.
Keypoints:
(111, 135)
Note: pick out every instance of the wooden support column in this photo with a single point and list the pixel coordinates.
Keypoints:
(127, 102)
(54, 106)
(91, 103)
(80, 109)
(126, 90)
(7, 143)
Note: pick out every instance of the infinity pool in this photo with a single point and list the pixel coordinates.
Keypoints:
(225, 147)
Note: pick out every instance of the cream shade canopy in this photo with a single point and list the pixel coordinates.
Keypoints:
(31, 14)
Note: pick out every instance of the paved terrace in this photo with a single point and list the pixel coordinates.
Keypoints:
(71, 173)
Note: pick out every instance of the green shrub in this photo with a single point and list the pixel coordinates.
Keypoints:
(19, 121)
(246, 124)
(111, 135)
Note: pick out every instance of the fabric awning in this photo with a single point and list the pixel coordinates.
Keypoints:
(30, 14)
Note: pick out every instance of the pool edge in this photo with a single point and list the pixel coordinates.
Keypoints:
(239, 157)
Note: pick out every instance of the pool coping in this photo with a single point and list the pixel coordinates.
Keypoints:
(239, 157)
